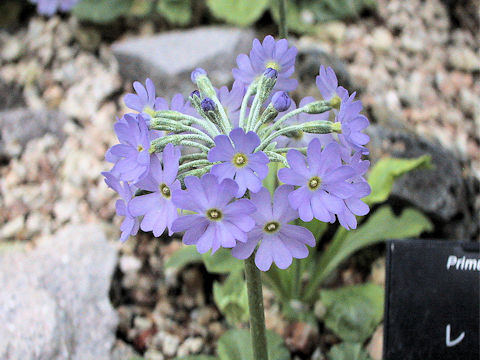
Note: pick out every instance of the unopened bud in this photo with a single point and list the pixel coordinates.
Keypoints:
(207, 105)
(281, 101)
(196, 73)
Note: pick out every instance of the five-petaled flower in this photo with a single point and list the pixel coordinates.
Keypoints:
(322, 181)
(219, 221)
(279, 240)
(269, 54)
(240, 161)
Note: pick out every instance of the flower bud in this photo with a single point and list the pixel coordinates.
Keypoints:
(195, 93)
(281, 101)
(196, 73)
(208, 105)
(270, 73)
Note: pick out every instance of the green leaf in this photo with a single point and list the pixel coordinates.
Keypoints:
(222, 262)
(141, 7)
(238, 12)
(231, 298)
(353, 312)
(385, 172)
(176, 11)
(101, 11)
(382, 225)
(237, 345)
(184, 256)
(197, 357)
(348, 351)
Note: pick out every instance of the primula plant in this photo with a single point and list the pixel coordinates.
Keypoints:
(197, 165)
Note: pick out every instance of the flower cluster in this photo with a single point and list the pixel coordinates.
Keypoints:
(197, 165)
(50, 7)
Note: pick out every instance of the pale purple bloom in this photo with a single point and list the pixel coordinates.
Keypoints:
(239, 162)
(354, 205)
(327, 83)
(232, 101)
(269, 54)
(133, 152)
(303, 139)
(280, 242)
(352, 124)
(130, 224)
(157, 206)
(218, 221)
(144, 99)
(196, 73)
(281, 101)
(50, 7)
(322, 180)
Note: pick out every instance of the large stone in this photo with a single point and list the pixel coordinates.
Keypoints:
(442, 192)
(169, 58)
(20, 125)
(54, 301)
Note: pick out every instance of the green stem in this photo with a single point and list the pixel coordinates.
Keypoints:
(255, 305)
(282, 26)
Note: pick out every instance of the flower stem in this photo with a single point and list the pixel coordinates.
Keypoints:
(282, 26)
(255, 304)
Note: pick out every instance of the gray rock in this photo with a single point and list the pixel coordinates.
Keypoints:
(169, 58)
(20, 125)
(442, 192)
(54, 301)
(11, 96)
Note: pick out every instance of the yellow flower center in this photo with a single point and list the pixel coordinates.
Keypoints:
(214, 214)
(165, 191)
(271, 227)
(273, 65)
(314, 183)
(139, 148)
(240, 160)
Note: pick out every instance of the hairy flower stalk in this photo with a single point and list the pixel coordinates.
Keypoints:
(197, 165)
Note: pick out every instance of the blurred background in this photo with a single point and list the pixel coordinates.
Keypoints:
(69, 290)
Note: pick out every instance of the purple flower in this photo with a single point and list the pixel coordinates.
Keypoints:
(239, 162)
(158, 208)
(208, 104)
(196, 73)
(323, 184)
(281, 101)
(144, 99)
(130, 224)
(352, 124)
(353, 205)
(327, 83)
(50, 7)
(269, 54)
(279, 241)
(232, 101)
(302, 139)
(133, 151)
(218, 221)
